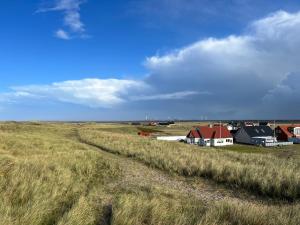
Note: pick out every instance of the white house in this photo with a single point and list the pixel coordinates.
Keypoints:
(210, 136)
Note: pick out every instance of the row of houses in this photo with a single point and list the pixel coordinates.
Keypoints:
(261, 135)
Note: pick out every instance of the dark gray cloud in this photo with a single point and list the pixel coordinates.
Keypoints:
(284, 99)
(238, 70)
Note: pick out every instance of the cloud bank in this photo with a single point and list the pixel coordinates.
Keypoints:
(88, 92)
(252, 75)
(239, 71)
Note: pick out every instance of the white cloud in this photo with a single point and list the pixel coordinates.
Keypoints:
(14, 97)
(62, 34)
(94, 93)
(72, 18)
(278, 26)
(90, 92)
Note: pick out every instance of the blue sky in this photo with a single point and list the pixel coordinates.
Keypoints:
(123, 60)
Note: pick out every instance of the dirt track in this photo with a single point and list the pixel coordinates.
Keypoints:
(138, 174)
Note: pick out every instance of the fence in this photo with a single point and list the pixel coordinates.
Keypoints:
(278, 144)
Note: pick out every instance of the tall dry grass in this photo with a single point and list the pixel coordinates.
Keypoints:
(46, 178)
(160, 208)
(261, 174)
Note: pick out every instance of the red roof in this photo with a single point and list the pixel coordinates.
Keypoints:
(194, 134)
(210, 132)
(285, 129)
(221, 132)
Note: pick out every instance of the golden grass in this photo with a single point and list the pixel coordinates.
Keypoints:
(261, 174)
(48, 177)
(164, 208)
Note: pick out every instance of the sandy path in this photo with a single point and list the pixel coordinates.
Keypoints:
(136, 173)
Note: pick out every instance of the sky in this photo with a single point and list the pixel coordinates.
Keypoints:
(161, 59)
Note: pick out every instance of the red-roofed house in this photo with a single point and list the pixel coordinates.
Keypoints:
(210, 136)
(289, 133)
(193, 137)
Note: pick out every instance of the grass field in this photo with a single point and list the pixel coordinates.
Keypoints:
(54, 173)
(263, 174)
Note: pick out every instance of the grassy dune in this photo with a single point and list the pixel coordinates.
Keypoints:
(156, 208)
(47, 177)
(261, 174)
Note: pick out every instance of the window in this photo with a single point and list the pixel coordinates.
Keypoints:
(296, 131)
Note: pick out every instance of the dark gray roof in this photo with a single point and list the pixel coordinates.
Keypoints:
(258, 131)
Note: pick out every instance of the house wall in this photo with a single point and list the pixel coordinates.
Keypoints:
(242, 137)
(216, 142)
(281, 136)
(193, 141)
(263, 141)
(205, 142)
(294, 140)
(297, 131)
(222, 141)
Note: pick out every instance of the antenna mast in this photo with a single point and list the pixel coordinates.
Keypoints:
(220, 130)
(274, 129)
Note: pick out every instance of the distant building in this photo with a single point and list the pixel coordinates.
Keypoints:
(210, 136)
(232, 126)
(263, 123)
(247, 124)
(289, 133)
(166, 123)
(255, 135)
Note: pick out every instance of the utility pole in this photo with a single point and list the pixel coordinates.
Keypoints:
(220, 130)
(274, 129)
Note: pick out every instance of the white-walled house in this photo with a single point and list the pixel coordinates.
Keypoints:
(210, 136)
